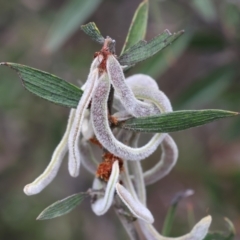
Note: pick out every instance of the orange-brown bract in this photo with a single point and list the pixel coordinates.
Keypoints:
(104, 52)
(95, 141)
(105, 168)
(113, 120)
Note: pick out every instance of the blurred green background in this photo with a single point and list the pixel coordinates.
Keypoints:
(200, 70)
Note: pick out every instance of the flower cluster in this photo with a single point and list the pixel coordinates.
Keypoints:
(92, 124)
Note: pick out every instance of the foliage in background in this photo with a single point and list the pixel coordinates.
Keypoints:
(215, 37)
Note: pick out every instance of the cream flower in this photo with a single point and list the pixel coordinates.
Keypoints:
(119, 177)
(101, 204)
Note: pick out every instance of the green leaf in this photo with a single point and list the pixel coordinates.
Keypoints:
(143, 50)
(205, 8)
(93, 32)
(231, 16)
(62, 207)
(138, 26)
(221, 235)
(168, 221)
(162, 61)
(68, 20)
(47, 86)
(175, 121)
(207, 88)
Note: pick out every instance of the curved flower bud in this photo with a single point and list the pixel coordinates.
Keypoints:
(99, 114)
(142, 80)
(148, 92)
(169, 148)
(167, 161)
(134, 205)
(51, 171)
(160, 102)
(198, 232)
(74, 155)
(125, 94)
(133, 82)
(127, 181)
(136, 169)
(101, 205)
(156, 97)
(137, 80)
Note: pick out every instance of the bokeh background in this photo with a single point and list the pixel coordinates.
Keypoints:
(200, 70)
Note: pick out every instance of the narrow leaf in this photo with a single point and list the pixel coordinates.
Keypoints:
(68, 20)
(47, 86)
(62, 207)
(206, 9)
(168, 221)
(164, 60)
(208, 88)
(138, 26)
(175, 121)
(93, 32)
(143, 50)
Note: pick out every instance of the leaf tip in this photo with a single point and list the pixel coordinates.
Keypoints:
(182, 195)
(4, 63)
(179, 33)
(84, 25)
(145, 2)
(39, 217)
(208, 219)
(233, 113)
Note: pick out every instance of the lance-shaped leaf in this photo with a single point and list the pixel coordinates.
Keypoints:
(62, 207)
(166, 59)
(143, 50)
(93, 32)
(47, 86)
(175, 121)
(205, 9)
(138, 26)
(168, 222)
(208, 88)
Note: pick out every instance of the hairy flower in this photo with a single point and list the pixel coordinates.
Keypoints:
(101, 204)
(198, 232)
(51, 171)
(119, 178)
